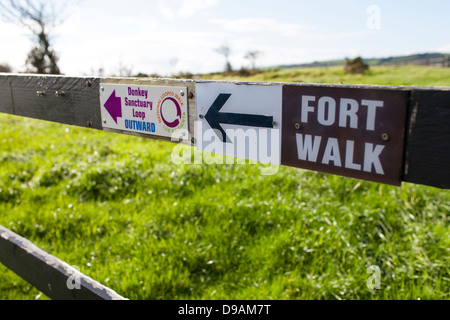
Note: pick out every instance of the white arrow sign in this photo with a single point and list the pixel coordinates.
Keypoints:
(242, 121)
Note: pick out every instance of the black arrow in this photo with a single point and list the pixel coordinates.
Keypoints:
(214, 118)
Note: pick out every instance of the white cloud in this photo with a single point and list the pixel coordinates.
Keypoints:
(10, 29)
(261, 25)
(340, 35)
(191, 7)
(173, 9)
(444, 48)
(15, 45)
(166, 11)
(73, 25)
(147, 52)
(253, 25)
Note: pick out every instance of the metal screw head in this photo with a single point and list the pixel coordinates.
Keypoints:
(385, 137)
(190, 95)
(103, 88)
(201, 116)
(182, 93)
(274, 123)
(297, 126)
(104, 121)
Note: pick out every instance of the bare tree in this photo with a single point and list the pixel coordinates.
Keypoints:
(252, 56)
(225, 50)
(40, 17)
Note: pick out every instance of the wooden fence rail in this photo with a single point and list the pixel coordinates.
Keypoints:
(76, 101)
(53, 277)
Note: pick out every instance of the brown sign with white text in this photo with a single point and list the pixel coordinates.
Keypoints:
(350, 132)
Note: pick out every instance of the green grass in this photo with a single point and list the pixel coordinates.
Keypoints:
(119, 209)
(396, 75)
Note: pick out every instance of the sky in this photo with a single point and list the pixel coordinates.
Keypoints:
(166, 37)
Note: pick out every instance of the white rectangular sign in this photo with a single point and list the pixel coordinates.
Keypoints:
(153, 110)
(242, 121)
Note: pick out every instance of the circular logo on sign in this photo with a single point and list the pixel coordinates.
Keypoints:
(176, 122)
(169, 111)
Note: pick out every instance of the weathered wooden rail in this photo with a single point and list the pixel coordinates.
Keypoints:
(420, 145)
(76, 101)
(53, 277)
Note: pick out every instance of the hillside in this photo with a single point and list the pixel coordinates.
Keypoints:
(425, 59)
(407, 75)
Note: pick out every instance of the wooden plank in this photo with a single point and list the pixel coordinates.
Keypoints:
(75, 101)
(427, 155)
(47, 273)
(6, 102)
(68, 100)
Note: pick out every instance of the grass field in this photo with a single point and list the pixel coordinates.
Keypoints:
(395, 75)
(119, 209)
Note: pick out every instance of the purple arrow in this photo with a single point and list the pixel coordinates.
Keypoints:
(114, 106)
